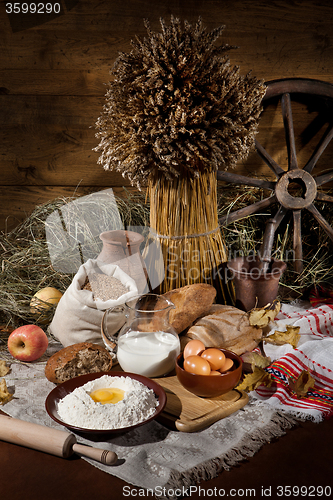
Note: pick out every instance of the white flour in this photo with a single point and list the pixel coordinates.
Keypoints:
(79, 409)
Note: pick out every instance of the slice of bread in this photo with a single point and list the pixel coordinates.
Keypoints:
(77, 359)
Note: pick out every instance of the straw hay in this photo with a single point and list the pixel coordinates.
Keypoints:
(25, 265)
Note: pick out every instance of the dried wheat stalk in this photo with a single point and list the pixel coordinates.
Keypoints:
(175, 112)
(184, 217)
(176, 106)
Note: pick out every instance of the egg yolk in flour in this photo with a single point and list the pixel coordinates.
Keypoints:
(107, 395)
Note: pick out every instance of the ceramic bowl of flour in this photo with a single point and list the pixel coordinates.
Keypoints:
(99, 406)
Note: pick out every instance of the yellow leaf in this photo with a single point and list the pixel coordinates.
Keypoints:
(5, 395)
(252, 359)
(302, 385)
(4, 369)
(290, 336)
(252, 380)
(261, 317)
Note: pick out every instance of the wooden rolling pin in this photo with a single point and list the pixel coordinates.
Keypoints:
(49, 440)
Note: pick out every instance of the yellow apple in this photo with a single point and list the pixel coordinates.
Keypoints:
(43, 301)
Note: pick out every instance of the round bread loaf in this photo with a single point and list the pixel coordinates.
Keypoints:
(77, 359)
(226, 327)
(191, 302)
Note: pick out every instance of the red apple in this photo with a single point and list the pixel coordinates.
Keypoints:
(27, 343)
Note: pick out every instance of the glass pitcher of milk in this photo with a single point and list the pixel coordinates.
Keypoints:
(146, 344)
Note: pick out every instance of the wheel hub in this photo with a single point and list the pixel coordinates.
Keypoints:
(296, 189)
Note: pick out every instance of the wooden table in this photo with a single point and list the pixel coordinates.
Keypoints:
(303, 457)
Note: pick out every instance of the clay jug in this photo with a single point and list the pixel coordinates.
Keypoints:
(122, 247)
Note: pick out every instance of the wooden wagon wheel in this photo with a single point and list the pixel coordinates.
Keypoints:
(283, 89)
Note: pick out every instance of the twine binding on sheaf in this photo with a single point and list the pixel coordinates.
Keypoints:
(184, 236)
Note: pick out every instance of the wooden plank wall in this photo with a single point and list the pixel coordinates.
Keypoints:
(53, 70)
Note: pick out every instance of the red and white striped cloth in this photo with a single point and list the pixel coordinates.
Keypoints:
(313, 353)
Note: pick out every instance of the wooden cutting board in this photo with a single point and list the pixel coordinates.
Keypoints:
(189, 413)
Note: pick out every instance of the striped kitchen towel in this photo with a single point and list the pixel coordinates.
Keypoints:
(314, 354)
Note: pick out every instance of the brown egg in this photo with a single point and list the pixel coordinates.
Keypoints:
(215, 358)
(197, 365)
(228, 364)
(193, 348)
(215, 372)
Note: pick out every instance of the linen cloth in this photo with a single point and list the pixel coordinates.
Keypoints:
(314, 353)
(152, 456)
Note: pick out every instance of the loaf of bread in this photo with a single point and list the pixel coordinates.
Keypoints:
(77, 359)
(226, 327)
(191, 301)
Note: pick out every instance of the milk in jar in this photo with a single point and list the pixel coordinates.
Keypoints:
(152, 354)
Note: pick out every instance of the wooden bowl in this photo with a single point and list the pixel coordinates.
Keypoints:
(210, 386)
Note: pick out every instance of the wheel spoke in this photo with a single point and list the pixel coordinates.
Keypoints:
(297, 242)
(242, 179)
(324, 197)
(324, 178)
(289, 129)
(246, 211)
(325, 140)
(275, 167)
(321, 220)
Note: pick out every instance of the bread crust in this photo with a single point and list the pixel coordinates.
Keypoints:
(67, 363)
(191, 301)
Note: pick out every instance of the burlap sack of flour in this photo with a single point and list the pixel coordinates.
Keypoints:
(79, 312)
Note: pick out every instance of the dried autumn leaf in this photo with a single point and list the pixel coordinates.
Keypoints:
(252, 380)
(290, 336)
(5, 395)
(4, 369)
(302, 385)
(261, 317)
(251, 360)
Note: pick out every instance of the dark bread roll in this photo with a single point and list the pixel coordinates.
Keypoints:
(77, 359)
